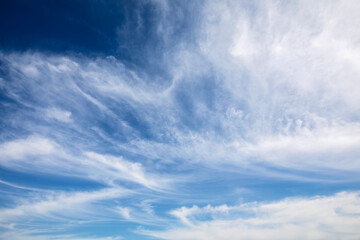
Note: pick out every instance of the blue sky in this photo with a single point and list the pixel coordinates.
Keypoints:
(179, 120)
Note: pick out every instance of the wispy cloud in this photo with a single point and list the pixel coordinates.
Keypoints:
(50, 157)
(59, 115)
(320, 217)
(32, 236)
(65, 205)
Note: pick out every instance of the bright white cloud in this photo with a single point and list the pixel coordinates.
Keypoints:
(334, 147)
(113, 168)
(31, 146)
(320, 217)
(124, 211)
(289, 50)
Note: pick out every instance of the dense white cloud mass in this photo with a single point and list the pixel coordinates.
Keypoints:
(298, 49)
(332, 217)
(231, 101)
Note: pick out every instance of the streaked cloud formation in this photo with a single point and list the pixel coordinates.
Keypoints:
(181, 120)
(315, 218)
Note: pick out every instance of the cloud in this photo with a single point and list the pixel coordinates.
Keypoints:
(290, 87)
(66, 205)
(227, 98)
(289, 51)
(59, 115)
(50, 157)
(322, 147)
(264, 100)
(33, 236)
(306, 144)
(117, 168)
(320, 217)
(22, 148)
(125, 212)
(42, 209)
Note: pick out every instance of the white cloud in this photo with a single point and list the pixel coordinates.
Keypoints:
(39, 154)
(59, 115)
(290, 73)
(305, 145)
(320, 217)
(334, 147)
(30, 71)
(71, 205)
(113, 168)
(124, 211)
(289, 50)
(30, 146)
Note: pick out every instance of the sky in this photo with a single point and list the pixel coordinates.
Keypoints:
(179, 120)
